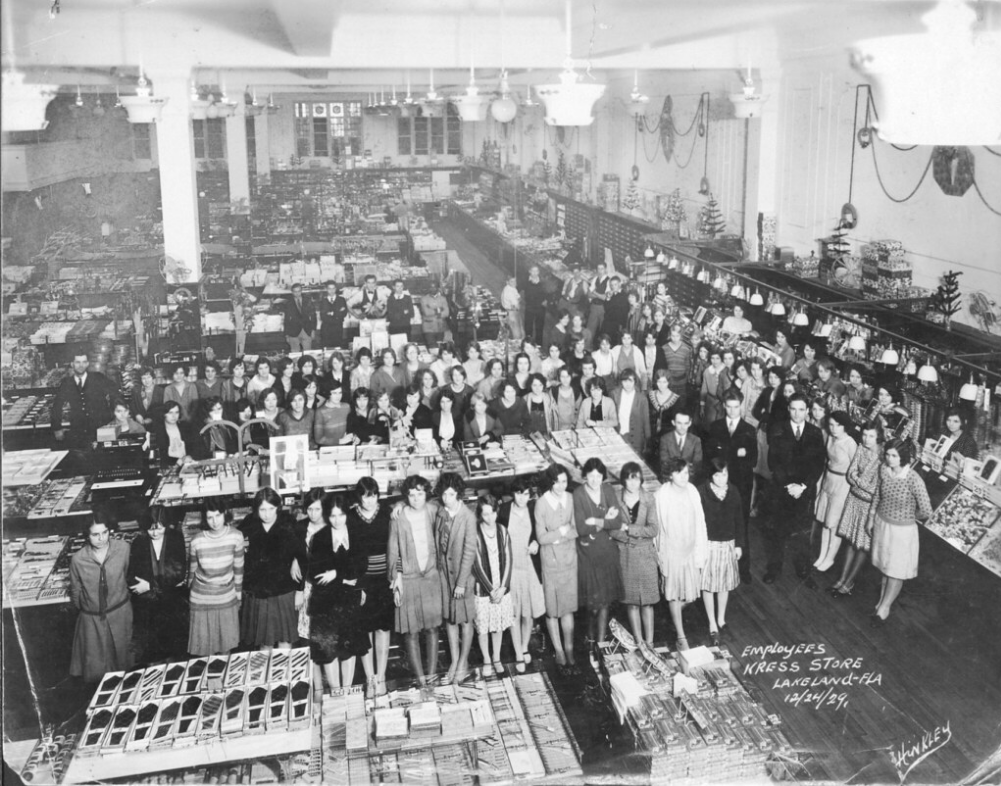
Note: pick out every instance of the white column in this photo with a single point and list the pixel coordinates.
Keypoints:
(763, 157)
(262, 144)
(176, 158)
(236, 159)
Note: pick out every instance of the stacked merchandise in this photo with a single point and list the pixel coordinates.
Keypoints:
(576, 446)
(30, 467)
(971, 523)
(693, 722)
(210, 478)
(26, 412)
(885, 272)
(206, 710)
(476, 731)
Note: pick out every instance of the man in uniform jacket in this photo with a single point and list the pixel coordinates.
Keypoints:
(796, 457)
(300, 321)
(87, 398)
(681, 443)
(332, 310)
(735, 439)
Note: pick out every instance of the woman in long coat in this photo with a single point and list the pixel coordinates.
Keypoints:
(637, 556)
(554, 528)
(596, 514)
(455, 533)
(412, 567)
(157, 571)
(98, 589)
(682, 542)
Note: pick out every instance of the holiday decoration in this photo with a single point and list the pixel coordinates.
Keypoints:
(711, 221)
(561, 175)
(675, 213)
(947, 299)
(631, 200)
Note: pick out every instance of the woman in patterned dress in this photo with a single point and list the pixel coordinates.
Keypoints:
(834, 489)
(898, 504)
(527, 598)
(596, 515)
(554, 528)
(637, 557)
(861, 477)
(215, 579)
(492, 573)
(455, 529)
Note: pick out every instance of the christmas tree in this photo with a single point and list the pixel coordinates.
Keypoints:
(947, 298)
(560, 175)
(632, 198)
(711, 221)
(675, 212)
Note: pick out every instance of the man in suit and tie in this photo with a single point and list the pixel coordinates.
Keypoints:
(634, 412)
(574, 297)
(300, 321)
(88, 396)
(796, 457)
(682, 444)
(597, 296)
(735, 440)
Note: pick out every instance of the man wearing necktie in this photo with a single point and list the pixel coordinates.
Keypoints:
(681, 443)
(735, 439)
(300, 321)
(332, 311)
(796, 457)
(574, 297)
(88, 396)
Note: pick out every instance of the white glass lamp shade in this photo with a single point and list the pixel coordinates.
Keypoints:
(778, 310)
(928, 373)
(649, 253)
(24, 105)
(801, 319)
(472, 107)
(719, 283)
(504, 109)
(969, 391)
(661, 257)
(737, 291)
(143, 109)
(756, 299)
(856, 343)
(569, 102)
(917, 106)
(672, 263)
(890, 357)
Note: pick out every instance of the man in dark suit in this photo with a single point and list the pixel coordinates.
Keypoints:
(399, 310)
(682, 444)
(333, 309)
(300, 321)
(616, 310)
(796, 457)
(88, 395)
(735, 439)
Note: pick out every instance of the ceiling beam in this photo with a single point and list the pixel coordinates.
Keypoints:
(308, 24)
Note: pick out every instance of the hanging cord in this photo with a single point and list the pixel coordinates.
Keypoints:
(636, 136)
(656, 148)
(984, 199)
(705, 163)
(695, 118)
(992, 152)
(646, 125)
(691, 154)
(879, 177)
(851, 172)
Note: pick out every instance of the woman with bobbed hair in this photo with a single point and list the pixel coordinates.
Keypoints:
(157, 578)
(540, 406)
(368, 526)
(528, 601)
(898, 504)
(555, 531)
(284, 385)
(174, 439)
(274, 541)
(597, 409)
(724, 515)
(834, 488)
(413, 569)
(682, 543)
(596, 515)
(492, 574)
(489, 386)
(215, 579)
(852, 528)
(637, 555)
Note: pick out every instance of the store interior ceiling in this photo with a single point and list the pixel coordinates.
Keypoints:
(274, 46)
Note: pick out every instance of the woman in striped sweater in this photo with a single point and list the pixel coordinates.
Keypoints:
(215, 573)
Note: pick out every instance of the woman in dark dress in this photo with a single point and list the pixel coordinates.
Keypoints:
(770, 410)
(274, 541)
(540, 406)
(337, 600)
(156, 577)
(596, 514)
(368, 528)
(414, 415)
(637, 555)
(724, 526)
(510, 409)
(527, 598)
(358, 424)
(174, 440)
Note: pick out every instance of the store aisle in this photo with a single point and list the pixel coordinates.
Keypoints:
(484, 271)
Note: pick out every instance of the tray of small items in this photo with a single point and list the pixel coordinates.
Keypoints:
(964, 518)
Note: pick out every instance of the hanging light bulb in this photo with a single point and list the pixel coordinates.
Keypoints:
(969, 390)
(79, 98)
(649, 253)
(661, 257)
(672, 263)
(928, 372)
(504, 108)
(779, 309)
(756, 299)
(890, 356)
(801, 319)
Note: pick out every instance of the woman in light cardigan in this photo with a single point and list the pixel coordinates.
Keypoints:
(597, 403)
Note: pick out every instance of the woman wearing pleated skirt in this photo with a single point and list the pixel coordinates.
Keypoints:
(724, 514)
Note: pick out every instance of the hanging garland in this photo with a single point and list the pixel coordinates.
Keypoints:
(879, 178)
(992, 152)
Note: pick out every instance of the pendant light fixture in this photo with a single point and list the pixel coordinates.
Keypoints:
(801, 319)
(856, 343)
(143, 107)
(661, 257)
(890, 356)
(969, 390)
(569, 102)
(778, 309)
(756, 299)
(672, 263)
(637, 101)
(649, 253)
(504, 109)
(928, 372)
(472, 107)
